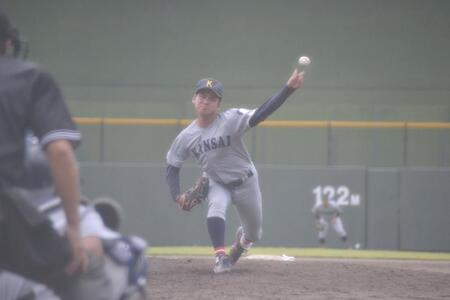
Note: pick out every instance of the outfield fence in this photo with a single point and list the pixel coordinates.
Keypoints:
(400, 207)
(321, 142)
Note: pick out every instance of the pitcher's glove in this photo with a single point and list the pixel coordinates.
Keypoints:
(194, 195)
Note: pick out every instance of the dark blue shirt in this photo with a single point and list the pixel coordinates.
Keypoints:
(30, 100)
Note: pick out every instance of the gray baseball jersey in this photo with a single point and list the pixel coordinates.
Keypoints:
(218, 148)
(222, 155)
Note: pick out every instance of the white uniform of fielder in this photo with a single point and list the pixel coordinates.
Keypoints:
(328, 213)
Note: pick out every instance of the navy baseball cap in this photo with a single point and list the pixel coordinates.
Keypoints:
(210, 84)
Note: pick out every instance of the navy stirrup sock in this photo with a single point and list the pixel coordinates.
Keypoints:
(216, 230)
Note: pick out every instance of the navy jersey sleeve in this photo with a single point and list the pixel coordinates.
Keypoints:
(173, 180)
(268, 107)
(49, 116)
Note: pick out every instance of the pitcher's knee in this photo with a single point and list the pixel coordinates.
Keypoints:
(217, 213)
(253, 236)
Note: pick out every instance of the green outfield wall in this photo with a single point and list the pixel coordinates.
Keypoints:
(383, 208)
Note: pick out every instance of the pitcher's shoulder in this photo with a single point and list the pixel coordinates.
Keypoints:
(233, 112)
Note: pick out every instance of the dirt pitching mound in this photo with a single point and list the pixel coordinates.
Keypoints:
(299, 278)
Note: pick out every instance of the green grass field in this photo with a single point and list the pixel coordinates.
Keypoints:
(308, 252)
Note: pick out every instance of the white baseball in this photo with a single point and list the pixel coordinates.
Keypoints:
(304, 61)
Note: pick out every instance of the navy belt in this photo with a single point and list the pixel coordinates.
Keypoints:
(240, 181)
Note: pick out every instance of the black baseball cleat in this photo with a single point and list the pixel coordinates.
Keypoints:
(237, 250)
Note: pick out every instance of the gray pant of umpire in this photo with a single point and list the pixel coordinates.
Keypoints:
(91, 285)
(94, 284)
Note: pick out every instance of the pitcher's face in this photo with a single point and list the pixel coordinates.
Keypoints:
(206, 103)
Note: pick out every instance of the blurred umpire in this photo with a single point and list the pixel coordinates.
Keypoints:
(31, 100)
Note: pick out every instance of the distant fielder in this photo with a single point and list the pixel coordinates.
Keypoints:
(328, 213)
(214, 140)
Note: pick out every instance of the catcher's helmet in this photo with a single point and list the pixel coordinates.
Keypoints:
(110, 211)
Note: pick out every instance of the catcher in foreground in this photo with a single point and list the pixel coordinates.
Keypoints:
(194, 195)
